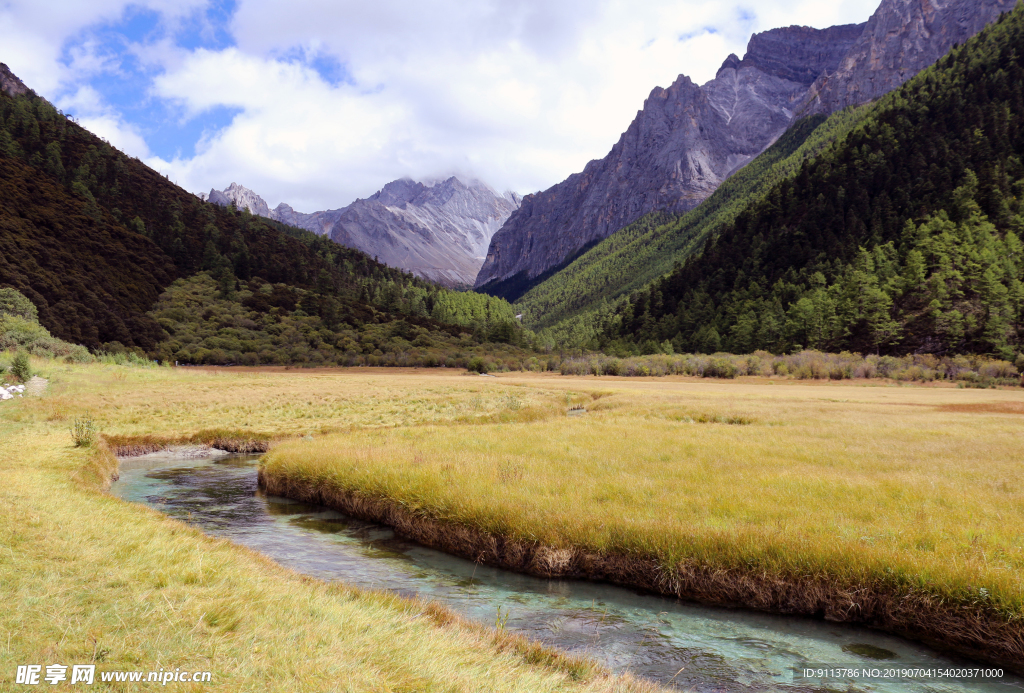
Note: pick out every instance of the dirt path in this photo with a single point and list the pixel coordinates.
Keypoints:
(36, 386)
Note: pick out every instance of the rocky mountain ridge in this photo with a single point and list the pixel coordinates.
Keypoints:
(440, 232)
(902, 38)
(241, 197)
(9, 82)
(687, 139)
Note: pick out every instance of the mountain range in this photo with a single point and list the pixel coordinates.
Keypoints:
(688, 139)
(439, 231)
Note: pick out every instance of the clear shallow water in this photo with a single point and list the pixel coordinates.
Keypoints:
(690, 646)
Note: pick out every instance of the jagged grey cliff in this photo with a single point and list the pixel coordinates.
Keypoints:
(9, 82)
(902, 38)
(440, 232)
(241, 197)
(687, 139)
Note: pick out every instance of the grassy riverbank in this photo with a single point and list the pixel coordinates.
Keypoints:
(902, 507)
(89, 578)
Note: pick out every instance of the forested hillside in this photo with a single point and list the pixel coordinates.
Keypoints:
(904, 238)
(255, 322)
(648, 249)
(93, 237)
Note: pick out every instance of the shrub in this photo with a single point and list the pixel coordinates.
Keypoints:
(20, 367)
(13, 302)
(720, 368)
(83, 432)
(17, 332)
(998, 369)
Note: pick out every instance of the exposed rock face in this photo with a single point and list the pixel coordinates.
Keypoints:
(688, 139)
(902, 38)
(440, 232)
(676, 152)
(242, 197)
(319, 223)
(9, 82)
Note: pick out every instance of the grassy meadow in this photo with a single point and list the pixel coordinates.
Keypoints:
(907, 490)
(88, 578)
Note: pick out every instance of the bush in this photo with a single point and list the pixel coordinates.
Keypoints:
(476, 365)
(124, 358)
(83, 432)
(20, 367)
(20, 333)
(13, 302)
(720, 368)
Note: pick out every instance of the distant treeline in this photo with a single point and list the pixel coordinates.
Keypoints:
(968, 371)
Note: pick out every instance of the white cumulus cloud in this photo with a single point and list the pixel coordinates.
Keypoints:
(334, 98)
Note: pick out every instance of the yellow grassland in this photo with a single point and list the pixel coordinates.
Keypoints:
(911, 497)
(88, 578)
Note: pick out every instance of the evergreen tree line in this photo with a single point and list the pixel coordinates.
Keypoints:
(257, 323)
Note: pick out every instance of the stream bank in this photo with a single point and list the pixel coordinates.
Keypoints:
(694, 647)
(970, 631)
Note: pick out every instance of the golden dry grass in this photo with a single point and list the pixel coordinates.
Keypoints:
(904, 488)
(89, 578)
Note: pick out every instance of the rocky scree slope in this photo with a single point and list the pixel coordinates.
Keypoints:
(689, 138)
(9, 82)
(439, 232)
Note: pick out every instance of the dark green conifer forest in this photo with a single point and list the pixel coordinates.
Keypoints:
(906, 237)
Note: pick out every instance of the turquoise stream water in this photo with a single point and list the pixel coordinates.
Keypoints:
(684, 645)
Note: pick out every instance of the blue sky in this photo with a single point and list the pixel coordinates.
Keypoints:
(316, 102)
(167, 133)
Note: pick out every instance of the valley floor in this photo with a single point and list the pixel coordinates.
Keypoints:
(901, 507)
(90, 579)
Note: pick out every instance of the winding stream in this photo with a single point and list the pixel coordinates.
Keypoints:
(690, 646)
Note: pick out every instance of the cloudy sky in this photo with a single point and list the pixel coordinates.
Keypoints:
(317, 102)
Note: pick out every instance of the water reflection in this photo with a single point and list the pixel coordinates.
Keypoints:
(688, 646)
